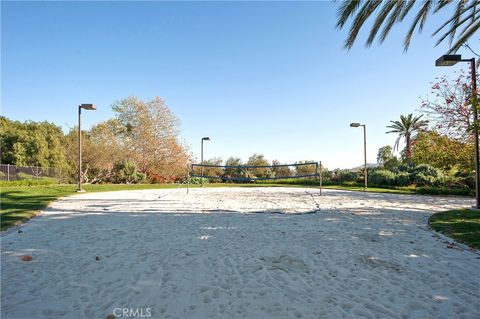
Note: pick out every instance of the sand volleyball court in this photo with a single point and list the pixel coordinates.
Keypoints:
(238, 253)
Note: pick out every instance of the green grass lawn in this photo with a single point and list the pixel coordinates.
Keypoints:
(20, 203)
(462, 225)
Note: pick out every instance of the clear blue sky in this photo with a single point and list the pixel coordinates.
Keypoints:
(265, 77)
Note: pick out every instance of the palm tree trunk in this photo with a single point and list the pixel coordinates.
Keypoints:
(408, 150)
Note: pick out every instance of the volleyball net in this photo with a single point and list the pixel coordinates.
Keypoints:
(255, 172)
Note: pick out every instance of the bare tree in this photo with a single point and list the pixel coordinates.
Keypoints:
(450, 110)
(150, 132)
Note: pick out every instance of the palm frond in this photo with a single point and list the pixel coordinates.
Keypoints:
(423, 13)
(346, 10)
(386, 9)
(464, 37)
(472, 19)
(458, 13)
(417, 123)
(397, 143)
(472, 16)
(397, 127)
(465, 15)
(450, 31)
(365, 12)
(470, 7)
(394, 17)
(442, 3)
(393, 131)
(407, 9)
(405, 120)
(406, 128)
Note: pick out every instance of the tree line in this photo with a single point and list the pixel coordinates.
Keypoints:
(275, 169)
(439, 149)
(140, 143)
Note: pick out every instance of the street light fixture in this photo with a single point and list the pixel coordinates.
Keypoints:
(80, 107)
(452, 59)
(365, 171)
(449, 60)
(201, 156)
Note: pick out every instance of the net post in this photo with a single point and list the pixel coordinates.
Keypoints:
(320, 177)
(188, 177)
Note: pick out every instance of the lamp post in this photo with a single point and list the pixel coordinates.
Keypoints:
(201, 156)
(80, 107)
(364, 150)
(452, 59)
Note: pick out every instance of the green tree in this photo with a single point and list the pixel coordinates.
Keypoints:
(384, 154)
(233, 171)
(281, 171)
(442, 151)
(31, 144)
(213, 171)
(260, 172)
(386, 158)
(462, 24)
(304, 169)
(406, 128)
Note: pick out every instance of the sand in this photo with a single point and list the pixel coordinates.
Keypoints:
(238, 253)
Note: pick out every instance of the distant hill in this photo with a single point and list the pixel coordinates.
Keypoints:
(369, 165)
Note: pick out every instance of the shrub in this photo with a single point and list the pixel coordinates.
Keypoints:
(197, 180)
(343, 176)
(427, 170)
(465, 179)
(403, 179)
(22, 175)
(29, 182)
(141, 177)
(126, 172)
(327, 175)
(424, 180)
(404, 167)
(425, 175)
(161, 179)
(382, 177)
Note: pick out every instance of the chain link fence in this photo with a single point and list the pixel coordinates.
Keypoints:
(15, 173)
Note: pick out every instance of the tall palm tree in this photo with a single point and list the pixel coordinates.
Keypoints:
(405, 128)
(464, 22)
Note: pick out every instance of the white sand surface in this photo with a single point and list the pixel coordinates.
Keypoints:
(238, 253)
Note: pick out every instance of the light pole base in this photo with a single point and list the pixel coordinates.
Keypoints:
(81, 191)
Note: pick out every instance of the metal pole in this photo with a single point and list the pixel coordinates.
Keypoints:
(201, 162)
(79, 149)
(188, 177)
(475, 130)
(320, 164)
(365, 154)
(8, 172)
